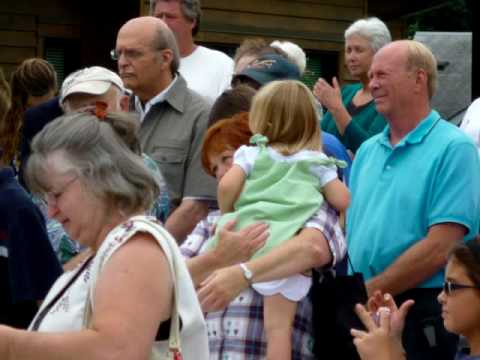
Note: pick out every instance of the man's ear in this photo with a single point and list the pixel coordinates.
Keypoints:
(167, 57)
(421, 76)
(421, 79)
(193, 25)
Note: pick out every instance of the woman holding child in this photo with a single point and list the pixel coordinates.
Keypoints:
(237, 329)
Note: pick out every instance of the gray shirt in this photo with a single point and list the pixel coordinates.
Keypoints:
(172, 134)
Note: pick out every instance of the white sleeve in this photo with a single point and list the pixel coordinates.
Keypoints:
(227, 75)
(245, 157)
(325, 173)
(471, 122)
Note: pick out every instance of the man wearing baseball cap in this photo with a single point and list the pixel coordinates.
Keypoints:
(267, 68)
(87, 86)
(80, 89)
(84, 88)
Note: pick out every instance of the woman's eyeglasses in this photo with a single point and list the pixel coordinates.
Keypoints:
(51, 198)
(449, 287)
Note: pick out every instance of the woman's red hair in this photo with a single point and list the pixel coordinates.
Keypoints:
(226, 134)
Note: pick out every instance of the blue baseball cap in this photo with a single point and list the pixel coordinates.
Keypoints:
(268, 68)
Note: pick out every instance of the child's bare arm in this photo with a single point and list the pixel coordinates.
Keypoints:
(337, 194)
(230, 187)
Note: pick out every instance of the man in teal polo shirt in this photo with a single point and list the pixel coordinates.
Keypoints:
(415, 194)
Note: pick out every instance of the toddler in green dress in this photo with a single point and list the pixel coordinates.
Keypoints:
(280, 180)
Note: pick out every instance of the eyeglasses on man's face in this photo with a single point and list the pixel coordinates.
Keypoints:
(130, 54)
(449, 287)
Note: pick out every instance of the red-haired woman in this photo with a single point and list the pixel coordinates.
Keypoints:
(234, 310)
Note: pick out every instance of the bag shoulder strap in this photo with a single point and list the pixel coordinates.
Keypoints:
(161, 235)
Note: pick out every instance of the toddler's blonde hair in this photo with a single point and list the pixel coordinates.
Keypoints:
(284, 111)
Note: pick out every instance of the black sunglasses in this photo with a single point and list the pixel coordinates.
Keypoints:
(449, 287)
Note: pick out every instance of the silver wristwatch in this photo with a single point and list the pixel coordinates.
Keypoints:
(247, 273)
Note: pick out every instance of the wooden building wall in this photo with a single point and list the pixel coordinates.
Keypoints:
(78, 33)
(18, 39)
(88, 27)
(313, 24)
(24, 26)
(316, 25)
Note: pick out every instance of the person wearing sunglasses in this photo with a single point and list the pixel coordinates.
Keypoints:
(460, 301)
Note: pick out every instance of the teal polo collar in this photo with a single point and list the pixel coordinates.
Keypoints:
(416, 135)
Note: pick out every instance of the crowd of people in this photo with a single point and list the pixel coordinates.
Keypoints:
(176, 208)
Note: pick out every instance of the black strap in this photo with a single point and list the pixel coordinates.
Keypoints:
(47, 308)
(350, 262)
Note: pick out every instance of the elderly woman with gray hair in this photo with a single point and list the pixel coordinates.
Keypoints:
(351, 115)
(126, 300)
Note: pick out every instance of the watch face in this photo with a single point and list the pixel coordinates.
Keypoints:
(246, 272)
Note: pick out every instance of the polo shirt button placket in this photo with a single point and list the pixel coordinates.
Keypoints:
(387, 171)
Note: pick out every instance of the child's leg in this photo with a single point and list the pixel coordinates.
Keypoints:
(278, 317)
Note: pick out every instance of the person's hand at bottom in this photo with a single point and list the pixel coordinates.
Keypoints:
(377, 342)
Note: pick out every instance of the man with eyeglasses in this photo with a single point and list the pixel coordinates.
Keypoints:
(173, 117)
(207, 71)
(415, 194)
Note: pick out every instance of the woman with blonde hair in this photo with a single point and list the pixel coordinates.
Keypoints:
(285, 158)
(33, 82)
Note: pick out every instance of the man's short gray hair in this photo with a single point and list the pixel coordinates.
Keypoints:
(98, 153)
(373, 29)
(190, 8)
(165, 39)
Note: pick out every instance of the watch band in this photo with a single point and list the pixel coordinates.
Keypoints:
(247, 273)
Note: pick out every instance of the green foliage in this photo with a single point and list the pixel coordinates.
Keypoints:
(453, 15)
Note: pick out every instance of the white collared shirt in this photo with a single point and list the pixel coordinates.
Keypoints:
(143, 110)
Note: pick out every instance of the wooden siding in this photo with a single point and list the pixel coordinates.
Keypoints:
(80, 36)
(313, 24)
(18, 40)
(316, 25)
